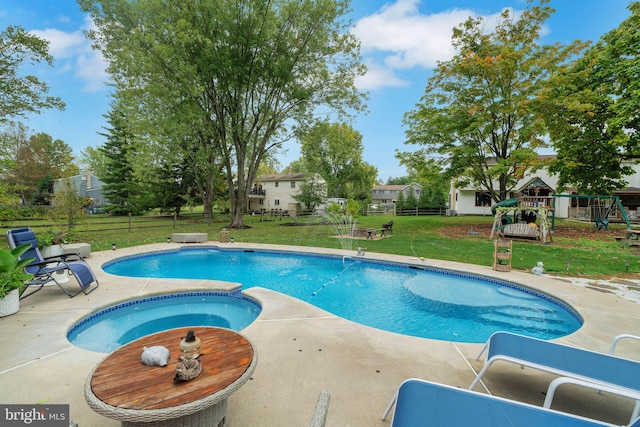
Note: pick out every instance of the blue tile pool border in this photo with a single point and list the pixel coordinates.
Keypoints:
(236, 294)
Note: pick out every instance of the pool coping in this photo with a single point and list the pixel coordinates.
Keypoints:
(302, 350)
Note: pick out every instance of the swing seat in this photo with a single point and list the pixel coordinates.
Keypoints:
(602, 224)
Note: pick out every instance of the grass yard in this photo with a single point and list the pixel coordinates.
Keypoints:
(578, 249)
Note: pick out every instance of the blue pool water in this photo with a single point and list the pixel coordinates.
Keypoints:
(108, 329)
(427, 303)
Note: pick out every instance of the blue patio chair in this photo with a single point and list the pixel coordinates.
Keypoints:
(43, 269)
(588, 368)
(420, 403)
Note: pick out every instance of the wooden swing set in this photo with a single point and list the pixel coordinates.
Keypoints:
(526, 227)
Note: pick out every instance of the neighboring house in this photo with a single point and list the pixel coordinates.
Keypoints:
(87, 186)
(276, 192)
(381, 194)
(472, 201)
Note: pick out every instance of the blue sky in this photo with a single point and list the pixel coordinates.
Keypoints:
(401, 42)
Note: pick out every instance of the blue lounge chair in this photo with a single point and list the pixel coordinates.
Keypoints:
(421, 403)
(43, 269)
(598, 370)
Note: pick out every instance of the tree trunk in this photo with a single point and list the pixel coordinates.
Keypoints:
(237, 210)
(237, 217)
(208, 207)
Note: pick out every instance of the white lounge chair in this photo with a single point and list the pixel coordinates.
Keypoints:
(600, 371)
(421, 403)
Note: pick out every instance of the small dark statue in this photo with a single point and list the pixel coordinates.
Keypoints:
(189, 366)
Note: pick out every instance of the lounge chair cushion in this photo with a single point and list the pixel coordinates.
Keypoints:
(422, 403)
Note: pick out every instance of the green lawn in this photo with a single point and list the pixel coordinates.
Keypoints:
(412, 236)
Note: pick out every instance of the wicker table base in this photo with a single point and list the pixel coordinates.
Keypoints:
(213, 415)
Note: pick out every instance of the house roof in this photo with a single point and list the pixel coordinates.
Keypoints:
(534, 182)
(629, 191)
(395, 187)
(282, 177)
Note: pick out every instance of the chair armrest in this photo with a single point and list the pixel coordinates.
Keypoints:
(618, 338)
(624, 392)
(631, 394)
(62, 257)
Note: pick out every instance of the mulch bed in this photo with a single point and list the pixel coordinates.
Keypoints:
(560, 231)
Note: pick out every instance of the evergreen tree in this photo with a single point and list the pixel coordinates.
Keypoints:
(174, 185)
(424, 201)
(44, 189)
(120, 189)
(400, 204)
(411, 202)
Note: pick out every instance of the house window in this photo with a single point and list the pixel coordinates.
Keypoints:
(277, 202)
(483, 199)
(293, 184)
(277, 184)
(261, 201)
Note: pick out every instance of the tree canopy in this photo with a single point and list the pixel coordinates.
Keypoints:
(25, 160)
(334, 150)
(591, 108)
(230, 76)
(21, 94)
(478, 111)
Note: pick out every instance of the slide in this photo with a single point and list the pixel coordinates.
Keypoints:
(509, 203)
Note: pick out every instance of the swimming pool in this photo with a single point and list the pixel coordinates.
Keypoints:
(417, 301)
(111, 327)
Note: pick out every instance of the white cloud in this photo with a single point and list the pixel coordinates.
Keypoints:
(401, 37)
(86, 64)
(379, 76)
(61, 44)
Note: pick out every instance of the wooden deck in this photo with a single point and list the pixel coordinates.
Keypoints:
(121, 380)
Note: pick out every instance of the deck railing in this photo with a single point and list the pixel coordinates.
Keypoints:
(535, 201)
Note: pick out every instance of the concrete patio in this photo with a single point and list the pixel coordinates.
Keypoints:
(303, 350)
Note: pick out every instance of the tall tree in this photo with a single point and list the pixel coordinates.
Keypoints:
(244, 71)
(12, 138)
(22, 94)
(591, 109)
(43, 191)
(36, 157)
(122, 188)
(93, 158)
(477, 109)
(68, 204)
(429, 172)
(334, 150)
(312, 193)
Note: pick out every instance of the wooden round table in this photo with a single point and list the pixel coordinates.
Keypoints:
(121, 387)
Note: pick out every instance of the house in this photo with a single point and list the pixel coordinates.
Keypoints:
(383, 194)
(472, 201)
(275, 192)
(87, 186)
